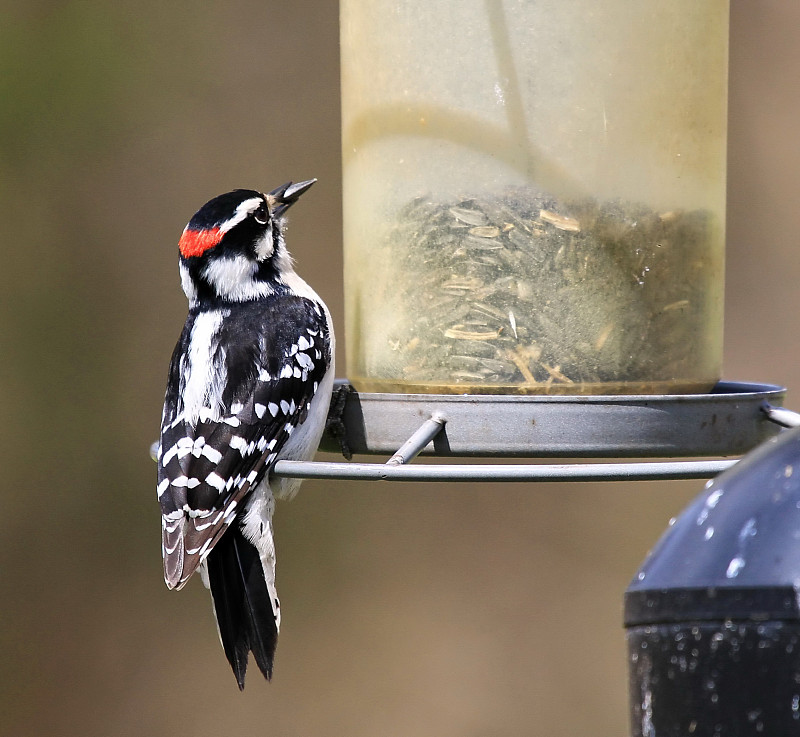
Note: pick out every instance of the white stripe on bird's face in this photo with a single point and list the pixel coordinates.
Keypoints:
(263, 246)
(243, 210)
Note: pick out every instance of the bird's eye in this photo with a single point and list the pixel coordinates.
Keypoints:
(261, 215)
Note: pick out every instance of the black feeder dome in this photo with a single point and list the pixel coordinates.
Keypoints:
(713, 614)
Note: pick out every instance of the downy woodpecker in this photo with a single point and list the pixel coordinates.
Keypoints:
(249, 384)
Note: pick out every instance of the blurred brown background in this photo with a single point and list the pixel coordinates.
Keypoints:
(408, 609)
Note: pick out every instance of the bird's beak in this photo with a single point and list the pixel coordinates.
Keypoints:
(282, 198)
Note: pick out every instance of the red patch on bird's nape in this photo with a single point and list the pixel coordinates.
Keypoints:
(197, 242)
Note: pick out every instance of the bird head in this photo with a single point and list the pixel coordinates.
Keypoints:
(233, 248)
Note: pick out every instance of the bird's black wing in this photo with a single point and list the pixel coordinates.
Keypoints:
(207, 467)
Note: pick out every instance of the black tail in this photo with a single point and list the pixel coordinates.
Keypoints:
(242, 603)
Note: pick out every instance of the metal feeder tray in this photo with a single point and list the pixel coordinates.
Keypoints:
(728, 421)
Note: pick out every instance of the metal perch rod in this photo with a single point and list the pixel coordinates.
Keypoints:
(647, 471)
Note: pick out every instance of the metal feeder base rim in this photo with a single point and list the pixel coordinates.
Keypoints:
(730, 420)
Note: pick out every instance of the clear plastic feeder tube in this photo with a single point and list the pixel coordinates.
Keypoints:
(534, 194)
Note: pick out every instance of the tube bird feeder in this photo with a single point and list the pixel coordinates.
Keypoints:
(534, 195)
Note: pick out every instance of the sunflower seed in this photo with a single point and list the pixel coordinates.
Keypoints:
(470, 217)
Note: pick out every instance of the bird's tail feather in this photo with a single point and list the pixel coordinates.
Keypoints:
(242, 603)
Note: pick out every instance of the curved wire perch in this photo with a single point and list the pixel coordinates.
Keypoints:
(647, 471)
(397, 468)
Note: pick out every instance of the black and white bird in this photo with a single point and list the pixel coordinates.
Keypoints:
(249, 384)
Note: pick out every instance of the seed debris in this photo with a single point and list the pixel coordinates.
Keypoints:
(518, 291)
